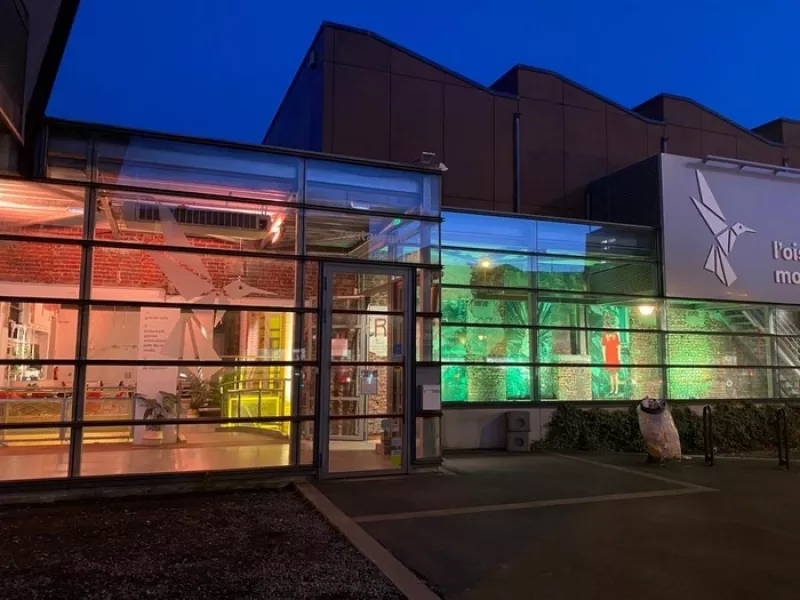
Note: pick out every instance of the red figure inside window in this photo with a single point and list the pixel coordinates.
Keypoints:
(611, 343)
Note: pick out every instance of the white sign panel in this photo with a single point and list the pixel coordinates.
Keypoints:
(155, 326)
(730, 233)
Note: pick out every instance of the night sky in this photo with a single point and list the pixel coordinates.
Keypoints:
(219, 68)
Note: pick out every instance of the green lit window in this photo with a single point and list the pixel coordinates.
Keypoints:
(717, 349)
(578, 274)
(489, 383)
(604, 312)
(486, 269)
(726, 317)
(718, 383)
(575, 382)
(485, 344)
(485, 305)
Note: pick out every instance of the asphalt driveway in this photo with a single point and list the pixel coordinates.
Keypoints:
(584, 526)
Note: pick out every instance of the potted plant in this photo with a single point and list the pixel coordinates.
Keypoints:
(204, 397)
(163, 406)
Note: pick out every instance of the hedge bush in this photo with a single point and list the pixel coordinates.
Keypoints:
(738, 428)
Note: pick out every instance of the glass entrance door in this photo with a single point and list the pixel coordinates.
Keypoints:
(365, 368)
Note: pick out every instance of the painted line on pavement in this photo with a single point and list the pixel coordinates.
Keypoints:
(404, 580)
(470, 510)
(678, 482)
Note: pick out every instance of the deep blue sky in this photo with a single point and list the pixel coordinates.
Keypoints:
(219, 68)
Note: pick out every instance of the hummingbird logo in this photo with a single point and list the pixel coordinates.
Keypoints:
(725, 236)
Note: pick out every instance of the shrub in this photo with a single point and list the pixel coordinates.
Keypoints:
(738, 428)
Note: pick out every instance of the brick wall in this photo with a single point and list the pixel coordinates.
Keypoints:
(43, 263)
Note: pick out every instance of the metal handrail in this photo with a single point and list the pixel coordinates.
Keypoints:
(708, 436)
(782, 433)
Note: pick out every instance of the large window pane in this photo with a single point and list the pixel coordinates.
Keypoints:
(485, 305)
(370, 237)
(68, 154)
(487, 269)
(786, 322)
(40, 209)
(202, 447)
(158, 276)
(584, 239)
(713, 383)
(39, 270)
(610, 382)
(428, 336)
(490, 383)
(609, 347)
(164, 164)
(132, 333)
(35, 331)
(717, 349)
(371, 188)
(157, 220)
(124, 391)
(596, 275)
(485, 344)
(601, 312)
(717, 316)
(41, 453)
(465, 230)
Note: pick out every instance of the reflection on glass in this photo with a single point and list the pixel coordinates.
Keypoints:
(465, 230)
(428, 342)
(36, 331)
(28, 269)
(202, 447)
(485, 306)
(131, 333)
(367, 291)
(487, 269)
(576, 382)
(198, 168)
(41, 209)
(158, 220)
(546, 237)
(371, 337)
(716, 316)
(584, 239)
(490, 383)
(380, 448)
(371, 237)
(711, 383)
(717, 349)
(604, 347)
(41, 453)
(598, 312)
(370, 188)
(428, 438)
(485, 344)
(364, 390)
(157, 276)
(596, 275)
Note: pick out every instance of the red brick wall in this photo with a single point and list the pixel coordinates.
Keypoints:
(44, 263)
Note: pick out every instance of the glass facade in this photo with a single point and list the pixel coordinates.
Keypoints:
(536, 310)
(161, 307)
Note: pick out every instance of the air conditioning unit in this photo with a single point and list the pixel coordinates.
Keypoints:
(518, 421)
(518, 441)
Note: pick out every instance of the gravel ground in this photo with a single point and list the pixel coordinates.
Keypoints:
(266, 544)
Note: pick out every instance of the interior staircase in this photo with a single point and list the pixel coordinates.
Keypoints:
(787, 343)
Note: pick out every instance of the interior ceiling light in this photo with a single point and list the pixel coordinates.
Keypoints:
(646, 309)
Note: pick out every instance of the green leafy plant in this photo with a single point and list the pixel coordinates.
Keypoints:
(163, 406)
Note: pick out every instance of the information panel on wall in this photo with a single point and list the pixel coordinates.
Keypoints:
(730, 233)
